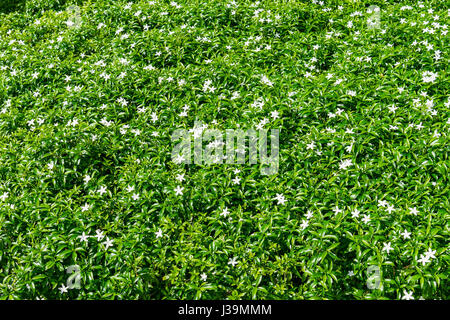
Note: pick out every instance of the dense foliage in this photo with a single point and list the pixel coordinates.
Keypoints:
(90, 92)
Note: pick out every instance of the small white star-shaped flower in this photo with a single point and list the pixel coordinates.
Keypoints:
(280, 198)
(430, 253)
(406, 234)
(108, 243)
(102, 190)
(63, 289)
(179, 190)
(85, 207)
(337, 210)
(355, 213)
(366, 218)
(390, 209)
(274, 115)
(99, 235)
(407, 295)
(84, 237)
(4, 196)
(304, 224)
(424, 259)
(382, 203)
(387, 247)
(225, 212)
(233, 261)
(310, 146)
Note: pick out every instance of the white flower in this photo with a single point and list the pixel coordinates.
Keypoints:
(63, 288)
(266, 81)
(345, 164)
(179, 190)
(387, 247)
(50, 166)
(366, 218)
(424, 259)
(87, 178)
(429, 76)
(407, 295)
(406, 234)
(274, 115)
(280, 198)
(392, 108)
(108, 243)
(304, 224)
(207, 86)
(382, 203)
(83, 237)
(310, 146)
(233, 261)
(430, 253)
(102, 190)
(390, 209)
(99, 235)
(4, 196)
(225, 212)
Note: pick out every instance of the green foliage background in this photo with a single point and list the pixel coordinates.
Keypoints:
(41, 216)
